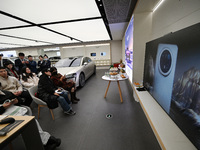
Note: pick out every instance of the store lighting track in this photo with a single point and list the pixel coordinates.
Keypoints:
(92, 45)
(73, 46)
(157, 5)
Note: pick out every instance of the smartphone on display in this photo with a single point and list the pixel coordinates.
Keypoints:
(165, 65)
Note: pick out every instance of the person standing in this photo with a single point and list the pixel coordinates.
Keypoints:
(41, 64)
(32, 64)
(47, 61)
(21, 62)
(3, 61)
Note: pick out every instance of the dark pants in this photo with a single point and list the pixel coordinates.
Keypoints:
(25, 98)
(8, 95)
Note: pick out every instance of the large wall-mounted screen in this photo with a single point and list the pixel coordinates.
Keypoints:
(129, 49)
(172, 77)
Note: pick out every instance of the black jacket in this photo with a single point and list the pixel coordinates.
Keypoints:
(8, 95)
(5, 61)
(46, 90)
(19, 65)
(44, 64)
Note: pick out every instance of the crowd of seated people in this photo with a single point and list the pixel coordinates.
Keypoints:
(16, 78)
(49, 142)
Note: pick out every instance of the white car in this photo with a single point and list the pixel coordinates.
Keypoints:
(81, 67)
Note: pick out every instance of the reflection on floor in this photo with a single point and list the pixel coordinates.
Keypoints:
(90, 129)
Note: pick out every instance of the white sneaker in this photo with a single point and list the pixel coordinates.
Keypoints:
(71, 112)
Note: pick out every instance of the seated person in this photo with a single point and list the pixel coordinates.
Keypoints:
(28, 79)
(49, 142)
(11, 84)
(11, 70)
(61, 81)
(47, 92)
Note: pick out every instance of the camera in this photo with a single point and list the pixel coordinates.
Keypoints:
(165, 62)
(164, 74)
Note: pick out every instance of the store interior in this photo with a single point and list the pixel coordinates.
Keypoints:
(163, 116)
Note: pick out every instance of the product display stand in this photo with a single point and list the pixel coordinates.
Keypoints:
(169, 136)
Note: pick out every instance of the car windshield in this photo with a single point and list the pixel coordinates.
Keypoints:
(68, 62)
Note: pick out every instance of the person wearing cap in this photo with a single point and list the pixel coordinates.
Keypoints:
(11, 70)
(3, 61)
(53, 95)
(21, 62)
(32, 64)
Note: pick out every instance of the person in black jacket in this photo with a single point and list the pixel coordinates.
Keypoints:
(21, 62)
(51, 94)
(49, 142)
(32, 64)
(43, 63)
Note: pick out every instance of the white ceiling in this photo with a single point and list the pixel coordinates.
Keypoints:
(26, 12)
(26, 23)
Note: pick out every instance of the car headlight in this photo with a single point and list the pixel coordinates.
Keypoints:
(69, 76)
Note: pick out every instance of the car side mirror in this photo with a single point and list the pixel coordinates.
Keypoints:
(85, 63)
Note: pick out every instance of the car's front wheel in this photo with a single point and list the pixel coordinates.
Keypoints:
(81, 80)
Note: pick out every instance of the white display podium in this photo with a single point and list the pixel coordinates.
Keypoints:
(168, 134)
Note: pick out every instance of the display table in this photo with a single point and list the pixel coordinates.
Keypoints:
(116, 78)
(29, 131)
(169, 136)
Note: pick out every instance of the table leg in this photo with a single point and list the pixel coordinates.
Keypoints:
(120, 93)
(32, 137)
(107, 89)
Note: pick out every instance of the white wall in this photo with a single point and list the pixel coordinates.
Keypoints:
(87, 50)
(142, 31)
(116, 51)
(98, 50)
(174, 15)
(75, 51)
(171, 16)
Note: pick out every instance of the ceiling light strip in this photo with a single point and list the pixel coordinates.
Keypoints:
(16, 27)
(103, 15)
(67, 21)
(12, 44)
(15, 17)
(157, 5)
(25, 38)
(50, 23)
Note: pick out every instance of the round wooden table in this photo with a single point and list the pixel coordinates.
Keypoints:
(115, 78)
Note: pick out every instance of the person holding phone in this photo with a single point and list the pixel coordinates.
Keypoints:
(61, 81)
(12, 84)
(49, 93)
(7, 99)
